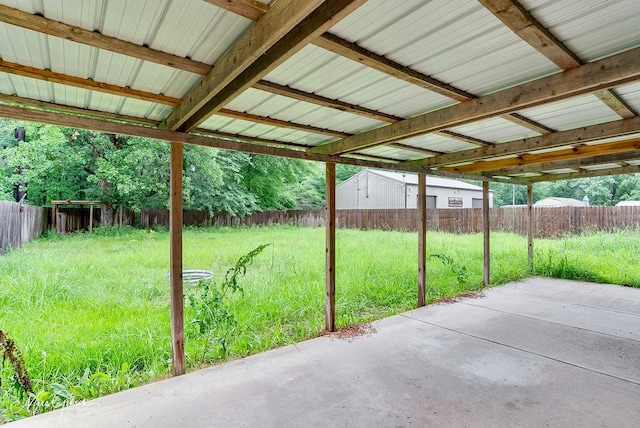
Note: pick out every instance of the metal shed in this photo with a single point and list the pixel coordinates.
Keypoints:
(376, 189)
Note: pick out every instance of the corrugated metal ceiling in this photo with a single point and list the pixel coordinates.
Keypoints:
(458, 42)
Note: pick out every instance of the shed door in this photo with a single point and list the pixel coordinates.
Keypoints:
(476, 203)
(431, 202)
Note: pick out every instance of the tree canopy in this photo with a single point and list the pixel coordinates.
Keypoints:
(55, 163)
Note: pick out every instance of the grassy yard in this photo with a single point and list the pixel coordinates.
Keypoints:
(91, 312)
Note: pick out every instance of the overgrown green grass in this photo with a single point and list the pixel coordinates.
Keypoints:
(91, 312)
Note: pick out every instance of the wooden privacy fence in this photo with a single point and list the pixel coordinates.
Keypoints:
(548, 221)
(18, 224)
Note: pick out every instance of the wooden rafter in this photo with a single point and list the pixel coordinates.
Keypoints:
(91, 38)
(299, 95)
(380, 63)
(521, 22)
(132, 93)
(415, 149)
(251, 9)
(615, 103)
(554, 156)
(525, 122)
(465, 138)
(61, 108)
(79, 82)
(584, 173)
(252, 140)
(357, 53)
(66, 109)
(286, 27)
(279, 123)
(606, 73)
(572, 163)
(52, 118)
(549, 141)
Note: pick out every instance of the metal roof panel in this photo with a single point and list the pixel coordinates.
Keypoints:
(495, 130)
(572, 113)
(591, 29)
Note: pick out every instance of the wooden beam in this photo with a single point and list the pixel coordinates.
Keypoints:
(521, 22)
(275, 24)
(585, 173)
(279, 123)
(465, 138)
(530, 227)
(89, 84)
(415, 149)
(175, 231)
(286, 27)
(518, 119)
(299, 95)
(572, 163)
(550, 157)
(608, 72)
(247, 139)
(422, 239)
(330, 226)
(325, 16)
(357, 53)
(486, 226)
(53, 118)
(557, 139)
(71, 202)
(92, 38)
(615, 103)
(63, 108)
(251, 9)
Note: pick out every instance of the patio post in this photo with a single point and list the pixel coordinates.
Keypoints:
(330, 226)
(175, 230)
(530, 226)
(485, 232)
(422, 238)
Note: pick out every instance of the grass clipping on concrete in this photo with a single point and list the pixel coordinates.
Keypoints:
(91, 313)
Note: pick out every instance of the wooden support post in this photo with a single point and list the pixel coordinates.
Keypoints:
(90, 218)
(530, 226)
(422, 239)
(175, 230)
(54, 210)
(485, 231)
(330, 279)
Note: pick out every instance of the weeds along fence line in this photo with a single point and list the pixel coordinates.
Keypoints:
(20, 223)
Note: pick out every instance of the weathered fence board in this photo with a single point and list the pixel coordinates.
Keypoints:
(18, 227)
(18, 224)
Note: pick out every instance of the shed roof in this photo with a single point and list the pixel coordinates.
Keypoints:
(489, 89)
(559, 202)
(431, 181)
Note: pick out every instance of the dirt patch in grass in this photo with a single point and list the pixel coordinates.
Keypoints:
(469, 295)
(351, 332)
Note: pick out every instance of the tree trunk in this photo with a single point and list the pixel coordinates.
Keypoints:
(20, 189)
(107, 213)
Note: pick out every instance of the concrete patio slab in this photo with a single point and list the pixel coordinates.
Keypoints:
(530, 354)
